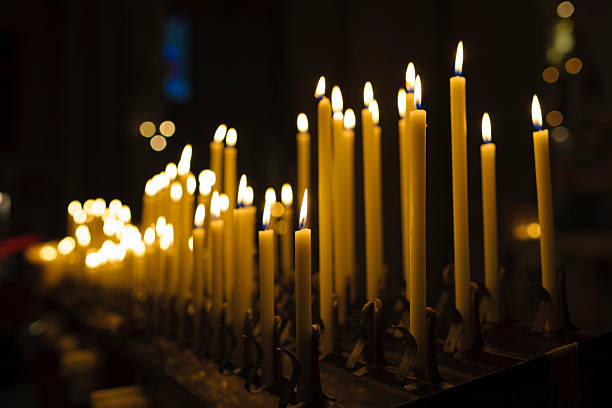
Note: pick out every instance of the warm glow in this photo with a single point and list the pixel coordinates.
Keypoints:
(560, 134)
(150, 188)
(231, 137)
(270, 195)
(224, 202)
(266, 215)
(93, 260)
(149, 236)
(401, 102)
(176, 191)
(125, 215)
(349, 119)
(167, 128)
(168, 238)
(373, 107)
(565, 9)
(287, 195)
(242, 185)
(171, 171)
(215, 205)
(220, 133)
(47, 253)
(320, 91)
(459, 59)
(114, 206)
(302, 122)
(200, 213)
(573, 65)
(147, 129)
(486, 128)
(417, 92)
(249, 195)
(533, 230)
(368, 94)
(536, 113)
(110, 227)
(98, 207)
(191, 184)
(158, 143)
(160, 226)
(207, 179)
(190, 243)
(87, 206)
(554, 118)
(187, 153)
(80, 217)
(139, 248)
(164, 180)
(550, 75)
(82, 235)
(304, 209)
(410, 77)
(336, 99)
(66, 245)
(74, 207)
(185, 161)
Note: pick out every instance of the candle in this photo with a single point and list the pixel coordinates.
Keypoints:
(489, 218)
(216, 238)
(460, 201)
(240, 278)
(348, 147)
(187, 217)
(338, 203)
(418, 253)
(228, 248)
(325, 215)
(175, 278)
(216, 155)
(166, 244)
(229, 186)
(198, 254)
(250, 240)
(545, 212)
(287, 237)
(303, 154)
(207, 180)
(303, 312)
(151, 260)
(266, 297)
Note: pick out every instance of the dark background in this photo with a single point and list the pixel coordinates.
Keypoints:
(77, 78)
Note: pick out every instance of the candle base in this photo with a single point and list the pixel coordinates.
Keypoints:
(185, 322)
(226, 342)
(202, 330)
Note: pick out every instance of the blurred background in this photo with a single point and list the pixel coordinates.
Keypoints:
(78, 79)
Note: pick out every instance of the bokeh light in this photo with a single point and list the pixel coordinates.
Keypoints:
(560, 134)
(167, 128)
(147, 129)
(573, 65)
(550, 75)
(554, 118)
(565, 9)
(158, 143)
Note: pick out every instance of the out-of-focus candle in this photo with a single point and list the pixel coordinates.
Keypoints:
(266, 296)
(216, 156)
(198, 254)
(303, 311)
(176, 193)
(229, 186)
(324, 114)
(460, 201)
(545, 212)
(489, 218)
(348, 147)
(240, 273)
(303, 154)
(287, 236)
(216, 235)
(228, 248)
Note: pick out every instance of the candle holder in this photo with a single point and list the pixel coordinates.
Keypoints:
(185, 327)
(202, 330)
(227, 342)
(251, 366)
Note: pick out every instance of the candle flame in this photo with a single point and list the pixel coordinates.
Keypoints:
(248, 196)
(336, 99)
(302, 122)
(98, 207)
(215, 205)
(270, 195)
(160, 226)
(224, 202)
(138, 248)
(149, 236)
(185, 161)
(459, 59)
(320, 90)
(80, 217)
(536, 113)
(82, 235)
(150, 188)
(375, 113)
(286, 195)
(304, 209)
(74, 207)
(47, 253)
(93, 260)
(410, 77)
(368, 94)
(207, 179)
(349, 119)
(401, 102)
(266, 215)
(164, 180)
(190, 243)
(486, 128)
(176, 191)
(242, 185)
(417, 92)
(113, 207)
(231, 137)
(200, 213)
(220, 133)
(171, 171)
(167, 239)
(190, 184)
(66, 245)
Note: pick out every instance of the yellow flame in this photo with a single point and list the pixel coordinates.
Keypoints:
(164, 180)
(66, 245)
(183, 167)
(224, 202)
(80, 217)
(93, 260)
(82, 235)
(98, 207)
(114, 206)
(160, 226)
(167, 239)
(220, 133)
(286, 195)
(302, 122)
(150, 188)
(304, 209)
(270, 195)
(248, 196)
(486, 128)
(207, 179)
(368, 94)
(231, 138)
(373, 107)
(401, 102)
(410, 77)
(336, 99)
(74, 207)
(198, 219)
(266, 215)
(215, 205)
(87, 206)
(176, 191)
(242, 185)
(459, 59)
(417, 92)
(47, 253)
(536, 112)
(110, 227)
(190, 184)
(320, 90)
(171, 171)
(125, 215)
(149, 236)
(139, 248)
(349, 119)
(186, 156)
(190, 243)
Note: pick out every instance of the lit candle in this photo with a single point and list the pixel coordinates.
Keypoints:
(348, 147)
(176, 193)
(187, 217)
(216, 238)
(240, 273)
(250, 237)
(460, 201)
(489, 218)
(303, 154)
(151, 260)
(418, 253)
(287, 237)
(545, 212)
(198, 254)
(228, 248)
(207, 180)
(325, 215)
(303, 311)
(229, 186)
(148, 205)
(266, 296)
(216, 155)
